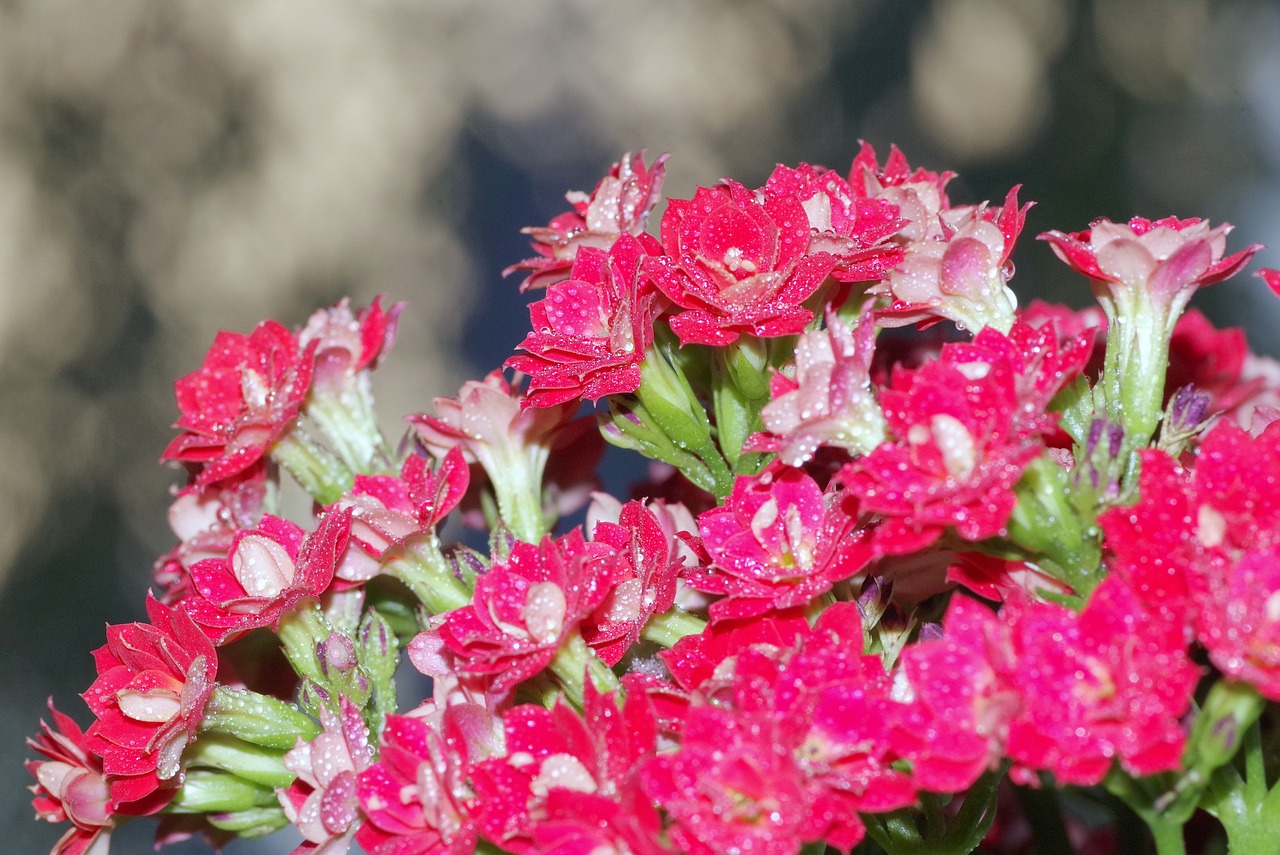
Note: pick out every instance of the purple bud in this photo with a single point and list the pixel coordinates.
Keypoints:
(337, 651)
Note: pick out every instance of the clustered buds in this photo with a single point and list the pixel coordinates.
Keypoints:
(871, 582)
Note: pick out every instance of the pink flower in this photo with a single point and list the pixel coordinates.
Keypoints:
(646, 581)
(416, 796)
(620, 204)
(777, 543)
(731, 787)
(205, 522)
(70, 787)
(246, 396)
(525, 607)
(1165, 259)
(149, 697)
(855, 229)
(1110, 683)
(737, 263)
(919, 195)
(347, 343)
(323, 802)
(1240, 623)
(829, 402)
(266, 572)
(964, 428)
(957, 721)
(512, 442)
(570, 777)
(591, 332)
(961, 274)
(386, 511)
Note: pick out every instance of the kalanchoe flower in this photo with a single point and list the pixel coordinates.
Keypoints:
(323, 801)
(736, 261)
(777, 543)
(205, 522)
(960, 705)
(70, 787)
(348, 343)
(919, 194)
(961, 274)
(645, 586)
(620, 204)
(266, 572)
(525, 607)
(829, 401)
(387, 511)
(1143, 274)
(247, 395)
(855, 229)
(590, 333)
(149, 697)
(567, 775)
(1110, 683)
(963, 428)
(416, 797)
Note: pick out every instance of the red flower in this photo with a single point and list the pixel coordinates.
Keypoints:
(387, 511)
(149, 697)
(956, 724)
(246, 396)
(416, 797)
(266, 573)
(646, 581)
(855, 229)
(1109, 683)
(570, 777)
(736, 262)
(590, 333)
(525, 607)
(620, 204)
(777, 543)
(965, 427)
(70, 787)
(347, 343)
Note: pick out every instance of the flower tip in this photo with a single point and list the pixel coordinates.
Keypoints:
(1271, 277)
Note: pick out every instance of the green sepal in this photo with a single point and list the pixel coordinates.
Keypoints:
(256, 718)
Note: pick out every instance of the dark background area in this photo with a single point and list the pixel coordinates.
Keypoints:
(171, 169)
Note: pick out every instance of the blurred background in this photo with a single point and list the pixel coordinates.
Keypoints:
(169, 169)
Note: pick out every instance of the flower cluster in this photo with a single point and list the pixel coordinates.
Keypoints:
(871, 586)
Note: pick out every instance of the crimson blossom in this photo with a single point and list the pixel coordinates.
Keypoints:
(264, 575)
(416, 798)
(246, 395)
(387, 511)
(591, 331)
(153, 682)
(776, 543)
(738, 263)
(525, 607)
(70, 787)
(619, 205)
(963, 428)
(568, 781)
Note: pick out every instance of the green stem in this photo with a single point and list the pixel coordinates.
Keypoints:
(425, 571)
(1167, 834)
(320, 473)
(574, 663)
(671, 626)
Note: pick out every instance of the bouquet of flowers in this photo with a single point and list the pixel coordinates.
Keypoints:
(911, 569)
